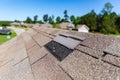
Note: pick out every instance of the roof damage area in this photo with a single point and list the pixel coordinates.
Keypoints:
(55, 54)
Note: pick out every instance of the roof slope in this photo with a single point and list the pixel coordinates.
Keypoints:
(25, 57)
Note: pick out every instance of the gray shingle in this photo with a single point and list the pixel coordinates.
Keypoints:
(28, 41)
(47, 69)
(112, 60)
(22, 71)
(89, 51)
(25, 58)
(98, 42)
(114, 48)
(68, 42)
(41, 39)
(35, 53)
(81, 67)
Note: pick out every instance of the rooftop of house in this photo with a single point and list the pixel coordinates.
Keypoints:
(79, 26)
(64, 25)
(54, 54)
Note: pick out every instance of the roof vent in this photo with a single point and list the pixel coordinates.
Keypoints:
(62, 46)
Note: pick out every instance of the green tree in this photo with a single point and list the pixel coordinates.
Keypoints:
(51, 19)
(117, 22)
(107, 8)
(90, 20)
(108, 24)
(108, 20)
(58, 20)
(63, 20)
(99, 22)
(40, 21)
(35, 19)
(66, 16)
(72, 18)
(75, 20)
(28, 20)
(17, 21)
(78, 20)
(45, 18)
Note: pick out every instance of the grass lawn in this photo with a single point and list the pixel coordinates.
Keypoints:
(3, 38)
(118, 35)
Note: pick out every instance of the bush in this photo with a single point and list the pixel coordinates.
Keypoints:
(56, 26)
(103, 31)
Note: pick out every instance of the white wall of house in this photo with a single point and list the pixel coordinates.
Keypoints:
(83, 29)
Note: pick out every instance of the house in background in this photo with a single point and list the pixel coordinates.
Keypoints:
(83, 28)
(24, 24)
(15, 24)
(70, 26)
(67, 26)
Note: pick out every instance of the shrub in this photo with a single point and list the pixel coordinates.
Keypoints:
(56, 26)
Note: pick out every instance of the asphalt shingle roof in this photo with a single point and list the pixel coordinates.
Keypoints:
(25, 57)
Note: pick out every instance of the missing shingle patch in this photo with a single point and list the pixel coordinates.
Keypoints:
(61, 46)
(58, 50)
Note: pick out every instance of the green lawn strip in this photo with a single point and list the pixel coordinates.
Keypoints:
(114, 34)
(3, 38)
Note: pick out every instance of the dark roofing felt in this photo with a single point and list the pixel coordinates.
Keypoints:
(96, 57)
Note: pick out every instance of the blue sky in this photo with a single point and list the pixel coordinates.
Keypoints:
(20, 9)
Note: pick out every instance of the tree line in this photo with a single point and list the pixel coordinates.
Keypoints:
(106, 21)
(5, 23)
